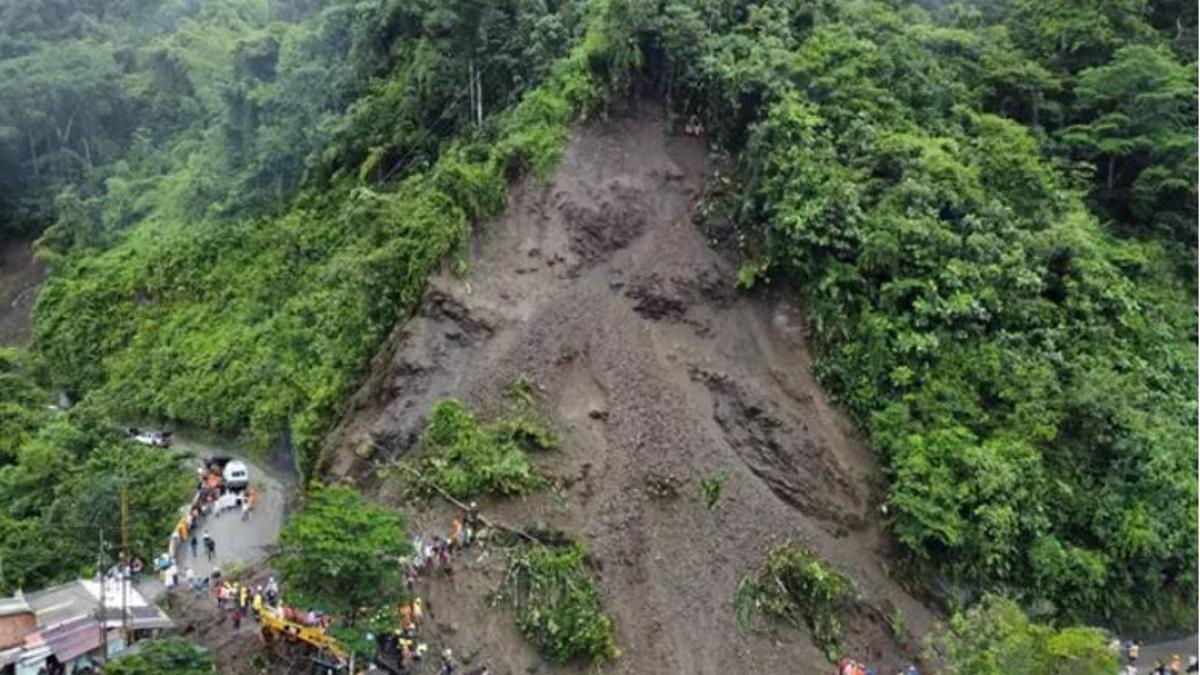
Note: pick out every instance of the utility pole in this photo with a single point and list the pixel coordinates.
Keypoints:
(125, 627)
(103, 610)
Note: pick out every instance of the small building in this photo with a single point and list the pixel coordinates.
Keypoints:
(64, 629)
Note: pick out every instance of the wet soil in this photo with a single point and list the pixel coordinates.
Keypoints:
(597, 287)
(20, 276)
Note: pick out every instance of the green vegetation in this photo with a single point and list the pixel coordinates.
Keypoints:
(710, 489)
(60, 480)
(988, 208)
(795, 586)
(163, 656)
(464, 458)
(239, 265)
(557, 605)
(340, 553)
(1024, 367)
(996, 638)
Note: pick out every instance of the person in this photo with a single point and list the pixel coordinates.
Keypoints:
(257, 603)
(243, 597)
(447, 662)
(245, 510)
(137, 567)
(1159, 668)
(911, 670)
(472, 519)
(194, 545)
(1133, 652)
(1193, 664)
(410, 578)
(210, 545)
(1176, 664)
(237, 618)
(190, 576)
(272, 591)
(221, 592)
(216, 575)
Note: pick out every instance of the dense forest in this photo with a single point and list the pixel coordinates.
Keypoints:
(988, 209)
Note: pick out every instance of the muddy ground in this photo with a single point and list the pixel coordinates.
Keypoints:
(20, 276)
(597, 287)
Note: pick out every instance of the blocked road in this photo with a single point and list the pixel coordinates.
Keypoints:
(238, 543)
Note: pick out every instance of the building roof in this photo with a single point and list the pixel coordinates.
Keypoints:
(14, 605)
(73, 638)
(82, 598)
(10, 656)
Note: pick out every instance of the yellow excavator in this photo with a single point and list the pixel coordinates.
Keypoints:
(331, 655)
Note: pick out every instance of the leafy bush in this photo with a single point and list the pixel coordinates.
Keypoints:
(60, 479)
(795, 586)
(710, 489)
(163, 656)
(995, 638)
(464, 458)
(557, 605)
(342, 553)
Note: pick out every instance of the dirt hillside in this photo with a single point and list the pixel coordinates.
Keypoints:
(597, 287)
(20, 275)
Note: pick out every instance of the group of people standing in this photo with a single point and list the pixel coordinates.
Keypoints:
(852, 667)
(1131, 651)
(242, 601)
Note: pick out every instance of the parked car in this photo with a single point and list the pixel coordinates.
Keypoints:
(158, 438)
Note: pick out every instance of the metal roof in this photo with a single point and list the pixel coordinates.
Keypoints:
(14, 605)
(82, 598)
(73, 638)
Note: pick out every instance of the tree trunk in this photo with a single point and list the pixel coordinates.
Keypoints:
(471, 87)
(1112, 163)
(479, 98)
(33, 158)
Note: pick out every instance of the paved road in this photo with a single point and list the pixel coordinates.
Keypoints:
(1185, 647)
(238, 542)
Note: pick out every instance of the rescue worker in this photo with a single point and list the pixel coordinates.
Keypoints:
(456, 533)
(257, 603)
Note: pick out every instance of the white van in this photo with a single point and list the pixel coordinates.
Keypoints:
(236, 475)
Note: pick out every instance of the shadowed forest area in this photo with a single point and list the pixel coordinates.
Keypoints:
(984, 213)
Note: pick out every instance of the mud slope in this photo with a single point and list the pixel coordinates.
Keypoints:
(20, 274)
(598, 288)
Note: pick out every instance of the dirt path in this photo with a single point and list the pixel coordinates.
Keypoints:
(599, 289)
(20, 275)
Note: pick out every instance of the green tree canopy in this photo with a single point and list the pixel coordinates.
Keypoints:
(996, 638)
(342, 553)
(163, 656)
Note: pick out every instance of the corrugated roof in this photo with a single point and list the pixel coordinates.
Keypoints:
(62, 603)
(10, 656)
(14, 605)
(73, 638)
(82, 598)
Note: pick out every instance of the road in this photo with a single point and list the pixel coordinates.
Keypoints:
(1185, 647)
(239, 543)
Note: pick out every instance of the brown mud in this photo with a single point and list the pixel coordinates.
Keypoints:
(597, 287)
(20, 276)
